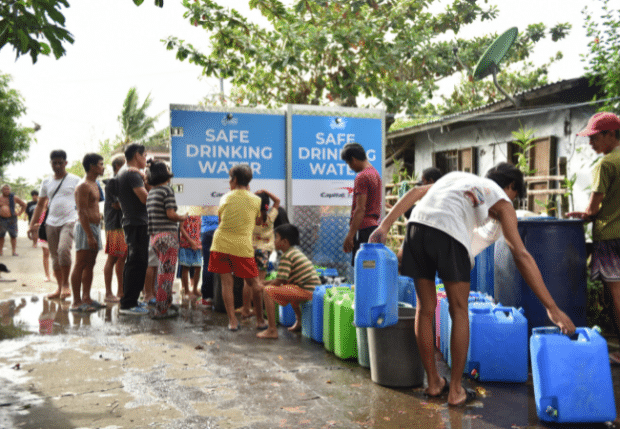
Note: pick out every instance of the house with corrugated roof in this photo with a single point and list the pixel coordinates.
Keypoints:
(478, 139)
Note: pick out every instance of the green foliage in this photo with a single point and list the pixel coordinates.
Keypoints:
(135, 123)
(34, 27)
(569, 185)
(336, 52)
(37, 26)
(603, 58)
(15, 139)
(76, 168)
(470, 93)
(599, 306)
(21, 187)
(523, 139)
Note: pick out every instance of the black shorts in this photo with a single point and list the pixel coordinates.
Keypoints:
(427, 250)
(361, 236)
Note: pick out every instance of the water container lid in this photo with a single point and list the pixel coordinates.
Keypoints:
(330, 272)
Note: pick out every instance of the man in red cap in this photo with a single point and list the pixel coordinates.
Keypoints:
(603, 210)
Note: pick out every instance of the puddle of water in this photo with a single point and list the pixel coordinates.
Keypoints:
(38, 315)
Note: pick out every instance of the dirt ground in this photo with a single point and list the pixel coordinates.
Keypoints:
(105, 370)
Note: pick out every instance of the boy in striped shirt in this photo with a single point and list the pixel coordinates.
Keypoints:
(294, 282)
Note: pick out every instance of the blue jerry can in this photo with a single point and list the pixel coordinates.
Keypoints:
(376, 286)
(572, 376)
(497, 343)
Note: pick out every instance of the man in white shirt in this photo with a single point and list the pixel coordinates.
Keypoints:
(59, 191)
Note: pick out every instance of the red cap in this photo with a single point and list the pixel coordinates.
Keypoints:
(602, 121)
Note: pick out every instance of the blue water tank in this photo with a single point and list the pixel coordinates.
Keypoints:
(559, 249)
(317, 312)
(482, 276)
(406, 290)
(497, 343)
(376, 286)
(572, 376)
(306, 319)
(287, 315)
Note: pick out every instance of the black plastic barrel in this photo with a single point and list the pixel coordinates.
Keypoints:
(559, 249)
(218, 299)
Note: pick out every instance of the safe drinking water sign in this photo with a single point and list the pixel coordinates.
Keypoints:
(207, 144)
(320, 176)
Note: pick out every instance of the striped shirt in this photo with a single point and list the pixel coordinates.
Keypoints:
(160, 199)
(295, 268)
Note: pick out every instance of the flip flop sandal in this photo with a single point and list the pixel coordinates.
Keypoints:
(83, 308)
(469, 398)
(233, 329)
(262, 328)
(97, 304)
(444, 390)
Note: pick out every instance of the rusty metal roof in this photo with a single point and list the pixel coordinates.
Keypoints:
(535, 97)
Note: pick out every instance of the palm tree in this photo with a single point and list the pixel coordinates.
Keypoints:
(135, 123)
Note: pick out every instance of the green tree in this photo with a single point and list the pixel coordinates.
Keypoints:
(21, 187)
(76, 168)
(160, 140)
(15, 139)
(135, 122)
(320, 52)
(37, 26)
(470, 93)
(603, 58)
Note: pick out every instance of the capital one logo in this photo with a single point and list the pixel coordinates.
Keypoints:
(216, 194)
(348, 193)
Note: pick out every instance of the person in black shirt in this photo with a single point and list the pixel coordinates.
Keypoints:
(132, 193)
(30, 206)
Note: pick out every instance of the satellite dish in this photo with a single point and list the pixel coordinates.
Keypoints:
(495, 53)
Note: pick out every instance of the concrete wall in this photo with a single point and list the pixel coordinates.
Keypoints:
(491, 138)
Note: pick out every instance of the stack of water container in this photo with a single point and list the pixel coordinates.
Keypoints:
(497, 341)
(390, 328)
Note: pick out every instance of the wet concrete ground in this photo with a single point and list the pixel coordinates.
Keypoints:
(105, 370)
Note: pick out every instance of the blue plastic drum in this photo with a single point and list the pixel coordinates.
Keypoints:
(559, 249)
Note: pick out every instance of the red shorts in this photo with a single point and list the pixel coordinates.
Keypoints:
(223, 263)
(115, 243)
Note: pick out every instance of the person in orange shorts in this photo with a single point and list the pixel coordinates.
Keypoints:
(115, 245)
(294, 282)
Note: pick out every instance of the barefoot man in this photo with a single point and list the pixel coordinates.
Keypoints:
(59, 190)
(87, 234)
(8, 216)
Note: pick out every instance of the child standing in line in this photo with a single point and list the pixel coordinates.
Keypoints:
(262, 242)
(232, 251)
(163, 229)
(190, 254)
(294, 283)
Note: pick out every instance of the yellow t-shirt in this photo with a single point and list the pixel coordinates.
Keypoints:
(238, 211)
